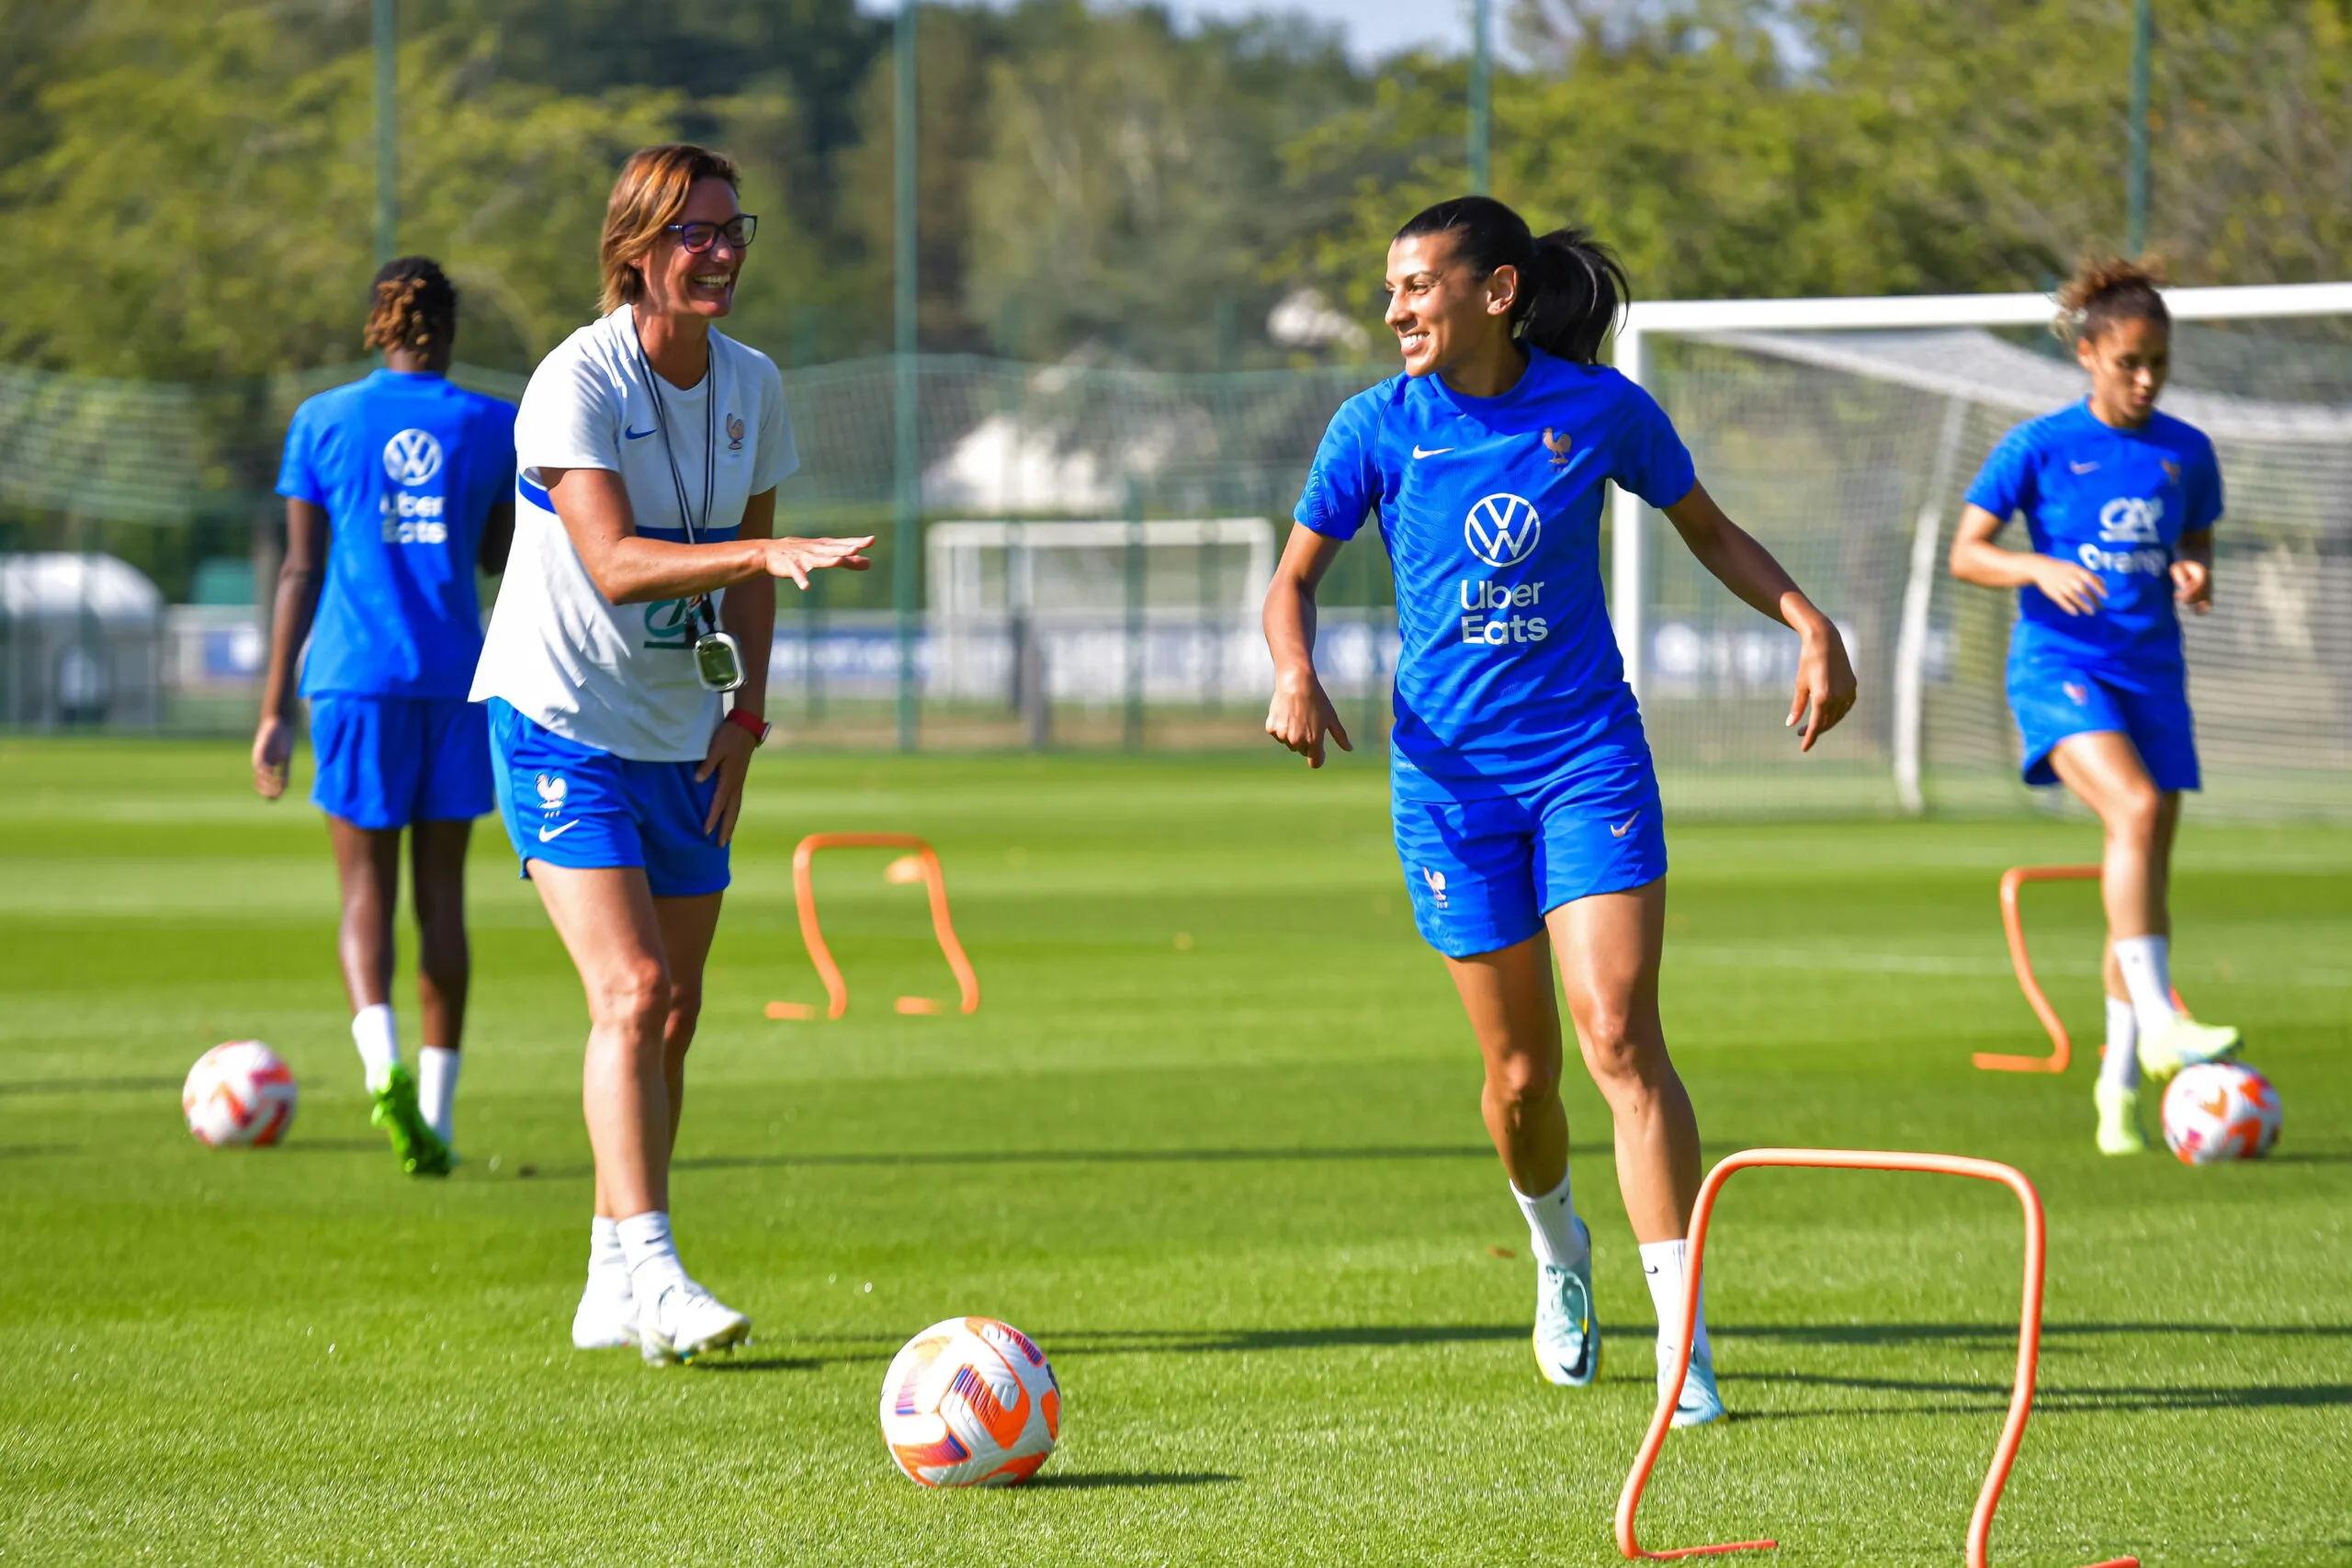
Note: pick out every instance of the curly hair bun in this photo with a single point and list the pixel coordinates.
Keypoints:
(2109, 289)
(413, 305)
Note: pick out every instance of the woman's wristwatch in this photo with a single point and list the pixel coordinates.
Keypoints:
(753, 722)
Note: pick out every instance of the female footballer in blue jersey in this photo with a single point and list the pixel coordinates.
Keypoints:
(1526, 805)
(2121, 502)
(398, 489)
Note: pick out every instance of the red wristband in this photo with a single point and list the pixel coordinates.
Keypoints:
(758, 726)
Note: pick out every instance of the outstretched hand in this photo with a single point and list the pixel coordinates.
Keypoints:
(1825, 686)
(796, 559)
(1300, 713)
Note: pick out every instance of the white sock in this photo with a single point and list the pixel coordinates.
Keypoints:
(1551, 1231)
(1664, 1264)
(607, 1263)
(379, 1040)
(2120, 1065)
(653, 1258)
(2146, 963)
(436, 1088)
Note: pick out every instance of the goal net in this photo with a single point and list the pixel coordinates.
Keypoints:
(1844, 434)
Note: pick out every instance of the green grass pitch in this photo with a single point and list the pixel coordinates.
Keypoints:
(1213, 1139)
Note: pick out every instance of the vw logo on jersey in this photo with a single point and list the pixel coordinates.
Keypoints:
(411, 457)
(1503, 530)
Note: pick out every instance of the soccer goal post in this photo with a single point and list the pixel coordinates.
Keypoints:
(1843, 432)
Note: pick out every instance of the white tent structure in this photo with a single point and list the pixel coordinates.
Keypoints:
(1844, 432)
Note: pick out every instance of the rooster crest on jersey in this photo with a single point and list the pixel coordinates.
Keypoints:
(970, 1401)
(1559, 446)
(551, 791)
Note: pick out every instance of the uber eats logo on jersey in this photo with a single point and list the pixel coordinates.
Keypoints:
(411, 458)
(668, 624)
(1502, 531)
(2129, 520)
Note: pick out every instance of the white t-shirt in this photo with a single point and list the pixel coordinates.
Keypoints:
(621, 677)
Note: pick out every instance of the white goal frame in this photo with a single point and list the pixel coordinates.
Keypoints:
(1645, 319)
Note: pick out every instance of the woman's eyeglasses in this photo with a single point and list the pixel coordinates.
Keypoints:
(699, 237)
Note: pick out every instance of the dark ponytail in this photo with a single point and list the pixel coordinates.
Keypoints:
(1571, 286)
(410, 305)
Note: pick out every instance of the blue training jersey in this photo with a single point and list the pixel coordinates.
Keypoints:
(2116, 501)
(1491, 508)
(407, 467)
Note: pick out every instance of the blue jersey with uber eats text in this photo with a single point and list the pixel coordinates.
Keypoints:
(407, 467)
(2116, 501)
(1491, 508)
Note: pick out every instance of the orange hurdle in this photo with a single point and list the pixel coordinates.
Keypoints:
(2061, 1047)
(925, 866)
(2005, 1452)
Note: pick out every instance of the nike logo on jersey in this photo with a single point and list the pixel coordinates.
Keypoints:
(1418, 453)
(549, 834)
(1620, 832)
(2083, 467)
(636, 434)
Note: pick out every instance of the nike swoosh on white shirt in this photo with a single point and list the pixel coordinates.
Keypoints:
(1419, 454)
(547, 833)
(2083, 467)
(1620, 832)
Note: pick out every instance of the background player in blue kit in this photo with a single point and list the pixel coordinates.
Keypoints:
(398, 489)
(1526, 805)
(2121, 502)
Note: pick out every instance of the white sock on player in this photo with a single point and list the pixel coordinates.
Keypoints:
(2146, 963)
(379, 1040)
(2120, 1065)
(607, 1261)
(651, 1256)
(1552, 1230)
(1665, 1265)
(436, 1088)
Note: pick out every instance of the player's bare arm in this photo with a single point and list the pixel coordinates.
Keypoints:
(1976, 558)
(1825, 684)
(1301, 713)
(630, 569)
(2192, 571)
(297, 603)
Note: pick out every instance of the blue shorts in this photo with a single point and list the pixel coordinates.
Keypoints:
(389, 762)
(570, 805)
(2052, 702)
(1483, 873)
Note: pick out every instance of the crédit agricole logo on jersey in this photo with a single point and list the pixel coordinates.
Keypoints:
(2129, 520)
(1502, 531)
(412, 460)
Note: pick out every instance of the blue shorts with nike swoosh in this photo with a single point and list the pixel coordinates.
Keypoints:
(570, 805)
(1484, 871)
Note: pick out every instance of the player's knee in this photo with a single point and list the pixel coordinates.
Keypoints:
(635, 997)
(1521, 1082)
(685, 1011)
(1611, 1047)
(2136, 811)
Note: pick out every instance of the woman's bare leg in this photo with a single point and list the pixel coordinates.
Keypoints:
(1507, 994)
(368, 868)
(687, 926)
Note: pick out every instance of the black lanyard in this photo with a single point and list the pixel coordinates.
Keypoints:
(701, 602)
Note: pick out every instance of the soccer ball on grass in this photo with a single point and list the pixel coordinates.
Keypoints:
(970, 1401)
(2220, 1111)
(237, 1093)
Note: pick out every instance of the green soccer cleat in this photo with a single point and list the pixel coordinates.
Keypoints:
(2119, 1120)
(414, 1143)
(2183, 1043)
(1567, 1338)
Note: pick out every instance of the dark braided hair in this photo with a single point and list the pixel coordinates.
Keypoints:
(2105, 290)
(1571, 286)
(413, 306)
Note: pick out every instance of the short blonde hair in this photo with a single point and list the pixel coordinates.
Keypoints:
(647, 198)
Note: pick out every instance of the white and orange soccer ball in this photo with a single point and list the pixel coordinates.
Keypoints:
(970, 1401)
(237, 1093)
(2220, 1111)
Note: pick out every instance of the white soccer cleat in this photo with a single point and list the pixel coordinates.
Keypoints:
(606, 1318)
(684, 1322)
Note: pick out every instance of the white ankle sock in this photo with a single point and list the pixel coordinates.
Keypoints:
(2146, 963)
(1664, 1264)
(2120, 1065)
(436, 1088)
(1552, 1231)
(379, 1040)
(653, 1258)
(607, 1263)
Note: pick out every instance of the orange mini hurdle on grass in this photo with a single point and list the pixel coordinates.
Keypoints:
(2005, 1452)
(2062, 1045)
(922, 865)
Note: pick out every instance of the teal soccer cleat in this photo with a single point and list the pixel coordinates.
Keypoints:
(1699, 1403)
(1567, 1337)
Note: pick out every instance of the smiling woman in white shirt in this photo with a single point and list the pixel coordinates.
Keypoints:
(648, 447)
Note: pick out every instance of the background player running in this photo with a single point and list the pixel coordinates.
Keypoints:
(1526, 805)
(650, 446)
(2119, 502)
(398, 487)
